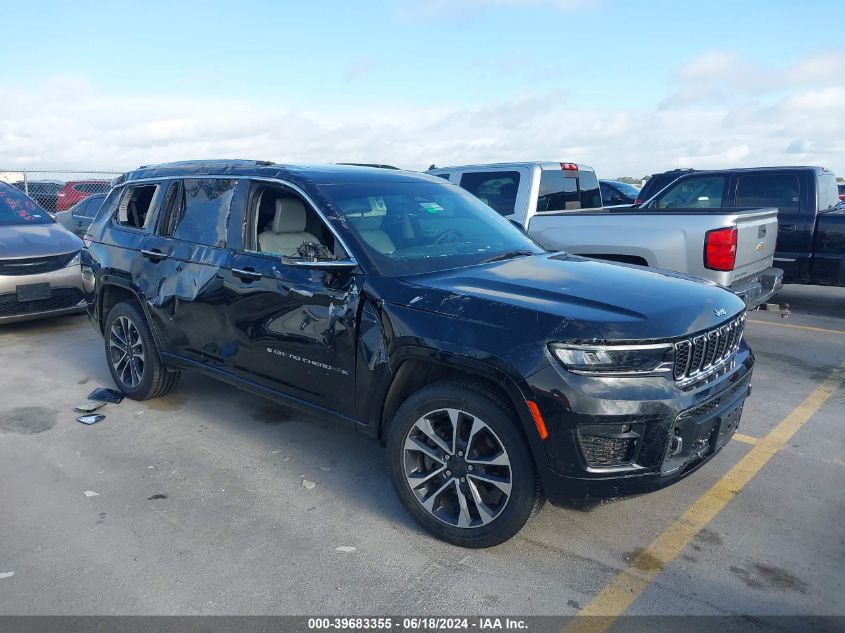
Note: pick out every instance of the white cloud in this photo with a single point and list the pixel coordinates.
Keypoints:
(59, 124)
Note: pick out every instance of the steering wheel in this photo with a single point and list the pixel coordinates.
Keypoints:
(449, 236)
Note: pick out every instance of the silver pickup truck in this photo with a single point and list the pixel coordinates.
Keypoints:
(560, 206)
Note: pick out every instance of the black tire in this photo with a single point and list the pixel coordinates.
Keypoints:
(153, 378)
(473, 401)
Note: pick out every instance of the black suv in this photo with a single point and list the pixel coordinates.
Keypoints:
(497, 374)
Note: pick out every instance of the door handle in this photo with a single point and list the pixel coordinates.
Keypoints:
(247, 274)
(789, 228)
(153, 255)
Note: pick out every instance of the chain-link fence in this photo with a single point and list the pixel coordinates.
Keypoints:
(57, 189)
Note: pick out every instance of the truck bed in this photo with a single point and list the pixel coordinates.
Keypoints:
(672, 239)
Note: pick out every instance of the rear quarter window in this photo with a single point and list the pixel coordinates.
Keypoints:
(782, 191)
(495, 189)
(699, 192)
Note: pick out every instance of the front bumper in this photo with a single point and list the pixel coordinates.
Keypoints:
(66, 295)
(760, 288)
(662, 433)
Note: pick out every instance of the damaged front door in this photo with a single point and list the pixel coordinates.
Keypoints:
(295, 325)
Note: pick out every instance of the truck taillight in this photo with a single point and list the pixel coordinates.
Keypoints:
(720, 249)
(569, 167)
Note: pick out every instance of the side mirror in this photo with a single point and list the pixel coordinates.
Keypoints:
(330, 265)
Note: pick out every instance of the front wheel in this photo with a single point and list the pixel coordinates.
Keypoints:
(461, 466)
(131, 353)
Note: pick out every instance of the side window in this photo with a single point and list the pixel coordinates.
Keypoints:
(703, 192)
(610, 195)
(135, 206)
(496, 189)
(93, 205)
(768, 190)
(828, 192)
(84, 209)
(197, 210)
(284, 225)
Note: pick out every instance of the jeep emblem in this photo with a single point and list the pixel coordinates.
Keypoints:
(720, 312)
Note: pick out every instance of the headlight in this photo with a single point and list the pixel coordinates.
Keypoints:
(75, 260)
(614, 359)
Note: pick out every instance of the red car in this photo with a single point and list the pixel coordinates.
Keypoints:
(76, 190)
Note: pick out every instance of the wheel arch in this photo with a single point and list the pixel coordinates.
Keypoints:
(416, 367)
(113, 290)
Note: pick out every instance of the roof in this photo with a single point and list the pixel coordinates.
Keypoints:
(543, 164)
(731, 170)
(315, 174)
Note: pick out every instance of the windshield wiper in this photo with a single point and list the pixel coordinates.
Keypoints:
(509, 255)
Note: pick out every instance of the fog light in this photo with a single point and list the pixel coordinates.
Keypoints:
(609, 445)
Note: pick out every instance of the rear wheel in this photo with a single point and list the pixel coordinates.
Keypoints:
(131, 353)
(461, 466)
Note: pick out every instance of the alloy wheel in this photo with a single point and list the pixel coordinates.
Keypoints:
(457, 468)
(126, 351)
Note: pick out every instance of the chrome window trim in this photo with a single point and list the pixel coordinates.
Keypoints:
(278, 181)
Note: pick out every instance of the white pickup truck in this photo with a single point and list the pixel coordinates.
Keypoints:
(560, 206)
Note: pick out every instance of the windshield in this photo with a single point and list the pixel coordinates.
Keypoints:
(18, 209)
(628, 189)
(416, 227)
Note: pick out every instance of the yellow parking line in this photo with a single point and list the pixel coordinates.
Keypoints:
(797, 327)
(746, 439)
(644, 568)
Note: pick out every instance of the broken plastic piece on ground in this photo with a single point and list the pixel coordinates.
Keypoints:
(87, 406)
(308, 485)
(91, 419)
(91, 493)
(104, 394)
(345, 548)
(6, 574)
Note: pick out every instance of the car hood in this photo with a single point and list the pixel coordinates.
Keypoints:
(616, 301)
(36, 240)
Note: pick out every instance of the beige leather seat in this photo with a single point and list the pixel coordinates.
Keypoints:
(369, 227)
(287, 232)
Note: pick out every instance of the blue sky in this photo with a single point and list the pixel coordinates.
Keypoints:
(414, 81)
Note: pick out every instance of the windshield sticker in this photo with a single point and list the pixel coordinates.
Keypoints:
(377, 203)
(431, 207)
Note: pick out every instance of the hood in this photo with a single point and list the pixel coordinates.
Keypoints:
(617, 301)
(36, 240)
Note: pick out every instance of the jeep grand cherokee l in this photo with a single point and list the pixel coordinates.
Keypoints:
(497, 374)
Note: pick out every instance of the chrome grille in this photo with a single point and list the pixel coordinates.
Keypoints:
(699, 354)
